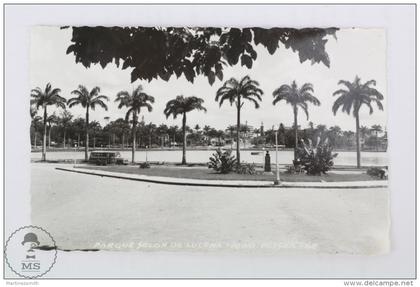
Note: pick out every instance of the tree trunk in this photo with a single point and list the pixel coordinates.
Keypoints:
(238, 127)
(87, 134)
(78, 141)
(184, 138)
(122, 143)
(295, 112)
(133, 134)
(357, 140)
(35, 140)
(94, 141)
(44, 140)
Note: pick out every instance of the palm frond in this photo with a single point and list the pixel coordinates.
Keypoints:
(304, 107)
(348, 84)
(340, 92)
(95, 91)
(98, 102)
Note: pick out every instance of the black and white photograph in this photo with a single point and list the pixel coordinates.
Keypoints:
(247, 138)
(236, 140)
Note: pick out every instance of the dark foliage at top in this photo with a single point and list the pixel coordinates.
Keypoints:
(159, 52)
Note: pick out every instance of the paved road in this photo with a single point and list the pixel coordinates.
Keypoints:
(84, 212)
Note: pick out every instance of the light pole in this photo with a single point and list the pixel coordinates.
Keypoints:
(277, 181)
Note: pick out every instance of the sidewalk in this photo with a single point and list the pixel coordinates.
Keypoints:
(227, 183)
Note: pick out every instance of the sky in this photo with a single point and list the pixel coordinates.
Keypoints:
(359, 52)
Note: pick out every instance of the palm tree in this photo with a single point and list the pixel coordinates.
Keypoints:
(231, 129)
(181, 106)
(334, 134)
(364, 131)
(51, 120)
(88, 100)
(353, 98)
(122, 127)
(134, 102)
(377, 129)
(78, 126)
(35, 120)
(64, 121)
(94, 128)
(311, 126)
(349, 138)
(173, 130)
(236, 92)
(297, 98)
(45, 98)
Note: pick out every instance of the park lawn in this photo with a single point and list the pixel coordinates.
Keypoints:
(209, 174)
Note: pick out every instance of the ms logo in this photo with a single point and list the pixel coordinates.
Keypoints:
(30, 242)
(30, 252)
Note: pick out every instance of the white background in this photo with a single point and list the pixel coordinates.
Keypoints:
(397, 20)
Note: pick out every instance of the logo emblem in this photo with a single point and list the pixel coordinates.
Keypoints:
(30, 251)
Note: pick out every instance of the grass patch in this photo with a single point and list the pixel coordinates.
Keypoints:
(208, 174)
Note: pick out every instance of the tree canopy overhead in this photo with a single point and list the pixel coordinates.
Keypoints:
(157, 52)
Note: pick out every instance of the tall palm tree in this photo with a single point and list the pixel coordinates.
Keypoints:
(356, 95)
(89, 101)
(236, 92)
(45, 98)
(134, 102)
(181, 106)
(297, 98)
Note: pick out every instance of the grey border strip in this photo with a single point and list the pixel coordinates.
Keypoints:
(213, 4)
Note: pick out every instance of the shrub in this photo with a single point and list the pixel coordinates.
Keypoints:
(222, 161)
(245, 168)
(316, 159)
(377, 172)
(144, 165)
(290, 169)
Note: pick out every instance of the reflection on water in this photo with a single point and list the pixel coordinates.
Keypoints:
(202, 156)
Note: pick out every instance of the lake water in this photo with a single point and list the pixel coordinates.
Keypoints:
(202, 156)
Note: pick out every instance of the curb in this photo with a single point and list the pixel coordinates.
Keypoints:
(206, 184)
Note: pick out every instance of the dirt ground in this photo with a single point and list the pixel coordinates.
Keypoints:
(91, 212)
